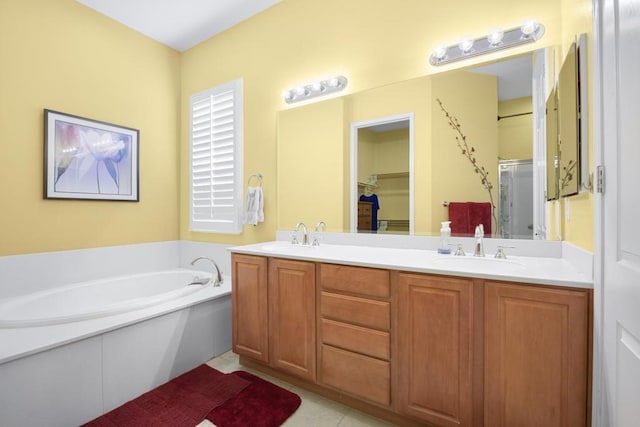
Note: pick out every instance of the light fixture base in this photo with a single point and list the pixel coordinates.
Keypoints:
(481, 46)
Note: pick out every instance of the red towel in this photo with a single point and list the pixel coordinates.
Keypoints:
(480, 213)
(459, 217)
(465, 216)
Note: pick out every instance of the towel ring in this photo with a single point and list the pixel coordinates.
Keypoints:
(258, 176)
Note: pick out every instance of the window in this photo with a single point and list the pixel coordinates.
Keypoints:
(216, 160)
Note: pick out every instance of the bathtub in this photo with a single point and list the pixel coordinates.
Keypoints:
(70, 354)
(99, 298)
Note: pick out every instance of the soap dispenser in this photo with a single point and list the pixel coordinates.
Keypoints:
(445, 234)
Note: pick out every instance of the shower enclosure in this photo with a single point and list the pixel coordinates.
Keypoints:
(516, 199)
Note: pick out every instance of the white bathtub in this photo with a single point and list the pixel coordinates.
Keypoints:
(99, 298)
(69, 354)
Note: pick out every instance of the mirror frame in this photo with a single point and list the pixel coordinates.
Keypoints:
(355, 126)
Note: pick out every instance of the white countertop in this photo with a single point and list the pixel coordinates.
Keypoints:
(525, 269)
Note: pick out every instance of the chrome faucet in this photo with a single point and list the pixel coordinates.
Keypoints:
(320, 225)
(478, 246)
(305, 236)
(219, 280)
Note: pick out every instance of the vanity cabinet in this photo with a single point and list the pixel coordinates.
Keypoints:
(274, 304)
(355, 332)
(418, 348)
(536, 367)
(250, 336)
(292, 308)
(434, 348)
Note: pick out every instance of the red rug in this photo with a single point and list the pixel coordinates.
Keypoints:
(236, 399)
(262, 404)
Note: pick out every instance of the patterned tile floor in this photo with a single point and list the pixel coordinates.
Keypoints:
(315, 411)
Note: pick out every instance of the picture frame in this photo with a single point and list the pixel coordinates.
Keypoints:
(86, 159)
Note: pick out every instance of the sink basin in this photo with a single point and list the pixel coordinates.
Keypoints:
(479, 263)
(287, 247)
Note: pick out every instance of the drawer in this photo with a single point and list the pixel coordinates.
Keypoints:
(358, 280)
(359, 311)
(356, 338)
(354, 373)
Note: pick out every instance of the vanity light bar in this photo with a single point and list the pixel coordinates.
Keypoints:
(528, 32)
(319, 88)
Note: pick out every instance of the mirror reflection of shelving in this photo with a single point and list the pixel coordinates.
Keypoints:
(383, 170)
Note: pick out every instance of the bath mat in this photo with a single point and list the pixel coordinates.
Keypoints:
(183, 401)
(262, 404)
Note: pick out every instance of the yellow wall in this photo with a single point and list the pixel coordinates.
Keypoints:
(473, 99)
(366, 154)
(297, 41)
(391, 100)
(577, 211)
(309, 150)
(515, 134)
(64, 56)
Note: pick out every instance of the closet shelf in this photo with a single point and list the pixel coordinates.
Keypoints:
(393, 175)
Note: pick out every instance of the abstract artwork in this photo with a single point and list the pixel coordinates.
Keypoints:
(89, 159)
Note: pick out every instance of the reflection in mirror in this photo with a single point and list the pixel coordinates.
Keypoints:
(516, 199)
(382, 148)
(568, 146)
(440, 172)
(552, 145)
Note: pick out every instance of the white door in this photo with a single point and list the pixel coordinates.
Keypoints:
(620, 59)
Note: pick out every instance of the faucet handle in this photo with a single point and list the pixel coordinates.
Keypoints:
(500, 253)
(459, 249)
(294, 238)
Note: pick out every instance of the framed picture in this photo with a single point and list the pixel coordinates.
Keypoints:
(88, 159)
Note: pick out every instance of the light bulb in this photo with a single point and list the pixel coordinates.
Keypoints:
(529, 27)
(301, 91)
(333, 82)
(440, 52)
(288, 95)
(495, 37)
(466, 45)
(317, 87)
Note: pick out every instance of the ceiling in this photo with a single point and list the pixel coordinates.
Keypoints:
(180, 24)
(514, 76)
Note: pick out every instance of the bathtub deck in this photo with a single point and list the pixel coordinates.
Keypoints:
(21, 342)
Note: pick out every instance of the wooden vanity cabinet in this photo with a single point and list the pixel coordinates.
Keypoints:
(250, 336)
(292, 317)
(536, 367)
(419, 348)
(434, 336)
(354, 343)
(274, 310)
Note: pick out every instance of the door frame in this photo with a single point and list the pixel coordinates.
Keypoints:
(598, 397)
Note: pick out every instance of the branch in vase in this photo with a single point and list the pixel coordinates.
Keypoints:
(468, 152)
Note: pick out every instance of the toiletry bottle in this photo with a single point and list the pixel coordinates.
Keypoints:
(445, 233)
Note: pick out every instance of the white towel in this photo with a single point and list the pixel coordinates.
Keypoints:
(254, 205)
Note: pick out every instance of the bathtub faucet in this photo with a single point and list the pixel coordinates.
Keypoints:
(219, 279)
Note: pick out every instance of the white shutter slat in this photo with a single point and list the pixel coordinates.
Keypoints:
(216, 168)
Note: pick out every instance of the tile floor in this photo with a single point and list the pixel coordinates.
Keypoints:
(315, 410)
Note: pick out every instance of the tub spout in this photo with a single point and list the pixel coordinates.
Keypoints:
(218, 273)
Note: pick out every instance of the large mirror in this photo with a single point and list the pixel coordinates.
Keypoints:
(494, 109)
(568, 124)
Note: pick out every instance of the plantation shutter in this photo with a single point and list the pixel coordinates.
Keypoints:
(216, 159)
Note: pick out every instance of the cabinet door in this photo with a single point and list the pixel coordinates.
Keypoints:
(292, 314)
(536, 356)
(434, 335)
(250, 311)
